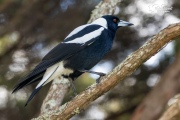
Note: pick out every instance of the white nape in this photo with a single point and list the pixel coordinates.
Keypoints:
(100, 21)
(87, 37)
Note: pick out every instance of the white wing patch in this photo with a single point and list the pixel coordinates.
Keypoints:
(87, 37)
(77, 30)
(100, 21)
(52, 72)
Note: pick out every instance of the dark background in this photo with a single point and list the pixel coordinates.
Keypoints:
(30, 28)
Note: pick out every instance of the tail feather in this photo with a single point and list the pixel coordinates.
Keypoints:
(32, 94)
(45, 76)
(41, 83)
(27, 81)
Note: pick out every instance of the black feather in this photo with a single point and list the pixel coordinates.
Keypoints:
(84, 31)
(50, 59)
(32, 94)
(25, 82)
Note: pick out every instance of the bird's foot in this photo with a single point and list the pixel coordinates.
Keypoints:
(93, 72)
(99, 79)
(97, 73)
(72, 96)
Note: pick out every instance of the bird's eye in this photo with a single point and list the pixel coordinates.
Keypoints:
(115, 20)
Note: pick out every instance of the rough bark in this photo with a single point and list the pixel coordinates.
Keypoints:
(154, 103)
(126, 68)
(104, 7)
(173, 111)
(55, 96)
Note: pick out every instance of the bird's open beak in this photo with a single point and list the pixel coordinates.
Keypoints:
(124, 23)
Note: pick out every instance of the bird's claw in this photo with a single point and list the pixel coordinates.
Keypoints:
(73, 96)
(99, 79)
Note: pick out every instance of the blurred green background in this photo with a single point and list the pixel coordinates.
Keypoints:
(30, 28)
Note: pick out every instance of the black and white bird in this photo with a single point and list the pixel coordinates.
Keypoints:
(82, 49)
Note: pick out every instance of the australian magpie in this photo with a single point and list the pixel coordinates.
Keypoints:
(82, 49)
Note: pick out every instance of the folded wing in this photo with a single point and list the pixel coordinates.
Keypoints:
(86, 35)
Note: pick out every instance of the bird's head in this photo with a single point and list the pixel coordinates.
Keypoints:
(114, 22)
(111, 22)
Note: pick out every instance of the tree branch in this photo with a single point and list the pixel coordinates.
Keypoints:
(105, 7)
(154, 103)
(56, 94)
(126, 68)
(173, 111)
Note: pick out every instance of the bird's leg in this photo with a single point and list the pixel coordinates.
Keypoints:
(73, 87)
(98, 80)
(93, 72)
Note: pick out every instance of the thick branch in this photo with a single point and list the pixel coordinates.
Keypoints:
(126, 68)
